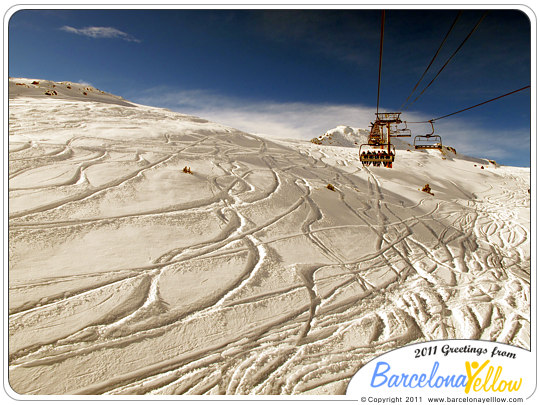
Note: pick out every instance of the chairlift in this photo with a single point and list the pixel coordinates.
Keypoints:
(403, 132)
(428, 141)
(377, 154)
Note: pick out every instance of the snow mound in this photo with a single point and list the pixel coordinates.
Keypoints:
(22, 87)
(350, 137)
(343, 135)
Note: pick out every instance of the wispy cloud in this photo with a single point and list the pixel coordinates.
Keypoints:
(283, 120)
(301, 120)
(85, 83)
(100, 32)
(474, 140)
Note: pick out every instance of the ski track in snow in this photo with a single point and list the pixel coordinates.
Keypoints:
(249, 276)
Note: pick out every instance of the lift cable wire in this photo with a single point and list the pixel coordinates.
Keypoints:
(449, 59)
(469, 108)
(432, 60)
(380, 59)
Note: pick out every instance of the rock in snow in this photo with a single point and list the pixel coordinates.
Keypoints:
(247, 276)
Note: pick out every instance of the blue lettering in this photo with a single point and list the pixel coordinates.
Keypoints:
(376, 374)
(404, 378)
(393, 381)
(461, 381)
(381, 376)
(413, 377)
(433, 372)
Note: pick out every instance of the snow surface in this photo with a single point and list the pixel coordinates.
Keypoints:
(343, 136)
(248, 276)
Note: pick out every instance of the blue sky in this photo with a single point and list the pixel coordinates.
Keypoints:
(295, 73)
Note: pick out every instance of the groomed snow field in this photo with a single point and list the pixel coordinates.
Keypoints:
(131, 275)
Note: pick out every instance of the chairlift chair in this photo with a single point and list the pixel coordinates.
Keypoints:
(428, 141)
(377, 154)
(378, 149)
(403, 132)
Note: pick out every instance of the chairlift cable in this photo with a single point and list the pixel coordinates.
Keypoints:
(451, 57)
(485, 102)
(469, 108)
(380, 59)
(432, 60)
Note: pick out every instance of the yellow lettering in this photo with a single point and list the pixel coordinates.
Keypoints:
(497, 374)
(502, 386)
(516, 386)
(488, 376)
(470, 375)
(477, 383)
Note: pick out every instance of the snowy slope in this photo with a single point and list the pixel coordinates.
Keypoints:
(37, 89)
(248, 276)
